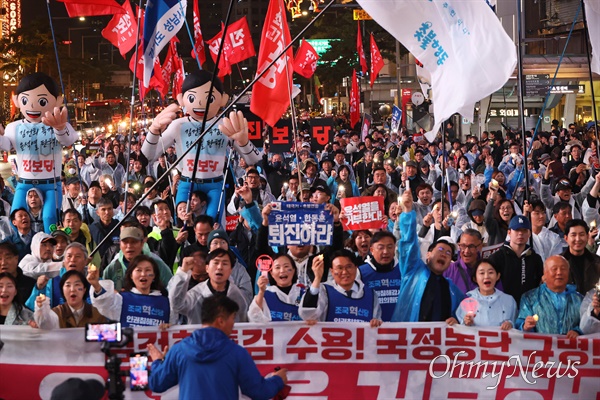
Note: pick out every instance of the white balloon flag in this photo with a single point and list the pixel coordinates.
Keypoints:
(460, 42)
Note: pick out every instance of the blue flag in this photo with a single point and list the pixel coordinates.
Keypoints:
(162, 20)
(396, 118)
(300, 224)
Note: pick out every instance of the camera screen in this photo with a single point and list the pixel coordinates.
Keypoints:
(103, 332)
(138, 371)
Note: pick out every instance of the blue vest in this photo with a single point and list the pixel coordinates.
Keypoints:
(344, 309)
(281, 311)
(386, 285)
(144, 310)
(57, 298)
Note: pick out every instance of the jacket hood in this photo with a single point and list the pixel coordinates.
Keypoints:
(212, 343)
(36, 241)
(39, 193)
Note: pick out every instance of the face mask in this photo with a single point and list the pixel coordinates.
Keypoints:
(72, 171)
(277, 164)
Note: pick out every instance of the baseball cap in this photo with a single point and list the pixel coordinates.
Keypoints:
(132, 232)
(217, 234)
(545, 157)
(306, 145)
(321, 186)
(72, 180)
(60, 232)
(447, 240)
(519, 222)
(305, 187)
(44, 237)
(563, 184)
(95, 184)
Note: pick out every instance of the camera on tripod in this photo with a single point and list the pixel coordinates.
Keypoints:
(111, 335)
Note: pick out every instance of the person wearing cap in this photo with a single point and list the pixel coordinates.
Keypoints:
(276, 171)
(87, 208)
(188, 302)
(62, 241)
(320, 192)
(554, 306)
(40, 261)
(521, 267)
(76, 258)
(411, 175)
(110, 166)
(164, 239)
(339, 159)
(309, 170)
(425, 295)
(475, 213)
(564, 192)
(259, 195)
(132, 243)
(326, 165)
(72, 199)
(304, 194)
(546, 243)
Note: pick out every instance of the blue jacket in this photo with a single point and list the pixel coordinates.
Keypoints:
(414, 273)
(209, 365)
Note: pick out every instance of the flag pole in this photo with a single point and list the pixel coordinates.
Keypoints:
(589, 62)
(223, 113)
(521, 96)
(198, 142)
(444, 161)
(132, 105)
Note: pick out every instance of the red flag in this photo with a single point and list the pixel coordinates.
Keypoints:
(199, 41)
(305, 62)
(88, 8)
(376, 60)
(361, 51)
(213, 47)
(121, 29)
(168, 66)
(354, 101)
(240, 41)
(238, 46)
(155, 82)
(271, 94)
(179, 75)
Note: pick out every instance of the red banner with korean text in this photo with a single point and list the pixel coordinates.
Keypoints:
(376, 60)
(338, 360)
(121, 30)
(305, 63)
(362, 213)
(231, 223)
(271, 93)
(198, 40)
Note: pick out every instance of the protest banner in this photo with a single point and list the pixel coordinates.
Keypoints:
(299, 224)
(338, 361)
(231, 222)
(362, 213)
(322, 131)
(281, 136)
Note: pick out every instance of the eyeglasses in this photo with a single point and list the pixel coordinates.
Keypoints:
(345, 268)
(444, 251)
(506, 208)
(470, 247)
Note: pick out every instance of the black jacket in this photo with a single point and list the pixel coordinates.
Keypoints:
(585, 275)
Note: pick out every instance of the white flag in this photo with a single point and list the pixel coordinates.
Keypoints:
(460, 42)
(592, 13)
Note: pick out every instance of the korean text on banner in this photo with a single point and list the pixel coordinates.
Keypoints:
(362, 212)
(162, 20)
(300, 224)
(460, 42)
(339, 361)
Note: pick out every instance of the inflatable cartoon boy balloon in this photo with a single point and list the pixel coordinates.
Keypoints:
(38, 139)
(182, 132)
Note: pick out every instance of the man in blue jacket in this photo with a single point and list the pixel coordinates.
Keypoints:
(209, 365)
(425, 295)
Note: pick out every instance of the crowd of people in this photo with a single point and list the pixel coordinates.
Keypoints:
(444, 209)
